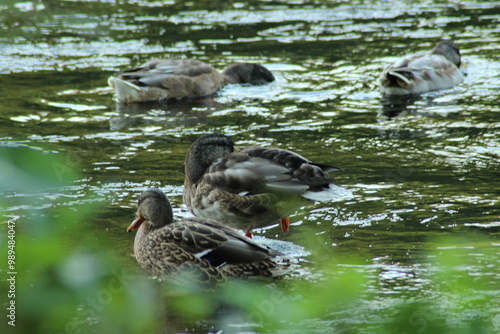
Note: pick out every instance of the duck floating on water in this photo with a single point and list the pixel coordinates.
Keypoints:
(252, 187)
(436, 70)
(195, 250)
(181, 78)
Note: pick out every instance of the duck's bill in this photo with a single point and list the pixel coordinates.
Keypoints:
(136, 223)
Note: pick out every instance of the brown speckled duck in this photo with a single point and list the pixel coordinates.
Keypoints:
(194, 249)
(252, 187)
(179, 78)
(436, 70)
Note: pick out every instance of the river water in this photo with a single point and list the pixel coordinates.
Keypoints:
(421, 169)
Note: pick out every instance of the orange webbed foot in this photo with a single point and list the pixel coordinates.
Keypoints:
(285, 224)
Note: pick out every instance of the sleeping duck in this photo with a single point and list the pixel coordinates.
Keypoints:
(196, 250)
(252, 187)
(179, 78)
(436, 70)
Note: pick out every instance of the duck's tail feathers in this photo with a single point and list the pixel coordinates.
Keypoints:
(125, 91)
(400, 77)
(332, 193)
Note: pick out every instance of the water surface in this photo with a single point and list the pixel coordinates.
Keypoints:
(421, 169)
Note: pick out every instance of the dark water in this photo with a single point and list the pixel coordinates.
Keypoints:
(421, 170)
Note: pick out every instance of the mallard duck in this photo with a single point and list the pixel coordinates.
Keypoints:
(436, 70)
(196, 249)
(179, 78)
(253, 187)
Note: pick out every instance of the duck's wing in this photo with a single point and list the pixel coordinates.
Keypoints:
(241, 174)
(309, 179)
(155, 73)
(162, 257)
(300, 171)
(157, 66)
(204, 252)
(214, 242)
(430, 61)
(256, 170)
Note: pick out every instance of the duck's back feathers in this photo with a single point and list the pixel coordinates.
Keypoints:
(419, 74)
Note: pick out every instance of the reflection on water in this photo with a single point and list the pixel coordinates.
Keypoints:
(429, 104)
(420, 167)
(392, 106)
(183, 112)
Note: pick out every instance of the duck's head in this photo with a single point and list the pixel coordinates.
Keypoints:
(450, 50)
(204, 152)
(251, 73)
(153, 209)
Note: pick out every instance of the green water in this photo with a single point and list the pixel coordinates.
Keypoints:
(421, 170)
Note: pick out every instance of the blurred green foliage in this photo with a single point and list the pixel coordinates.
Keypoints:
(65, 281)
